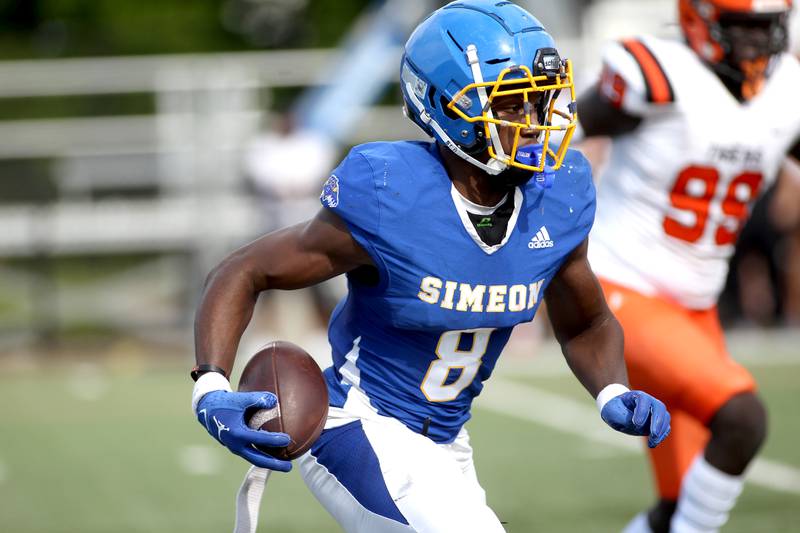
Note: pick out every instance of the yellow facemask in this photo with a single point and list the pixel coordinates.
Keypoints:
(520, 81)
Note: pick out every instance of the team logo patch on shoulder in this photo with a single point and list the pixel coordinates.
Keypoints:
(330, 192)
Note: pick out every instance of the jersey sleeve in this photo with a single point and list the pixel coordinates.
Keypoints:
(350, 192)
(584, 192)
(633, 79)
(574, 200)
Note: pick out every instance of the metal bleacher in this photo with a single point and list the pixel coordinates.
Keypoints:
(207, 107)
(185, 155)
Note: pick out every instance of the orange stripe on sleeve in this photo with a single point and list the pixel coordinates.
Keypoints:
(659, 90)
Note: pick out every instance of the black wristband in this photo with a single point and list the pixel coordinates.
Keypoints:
(199, 370)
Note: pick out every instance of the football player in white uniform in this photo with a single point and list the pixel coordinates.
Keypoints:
(699, 129)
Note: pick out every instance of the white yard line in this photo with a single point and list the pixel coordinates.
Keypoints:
(764, 347)
(552, 410)
(754, 349)
(775, 475)
(580, 418)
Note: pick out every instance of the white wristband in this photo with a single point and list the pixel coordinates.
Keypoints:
(609, 392)
(208, 382)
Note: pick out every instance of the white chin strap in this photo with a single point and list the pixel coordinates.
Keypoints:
(494, 166)
(477, 75)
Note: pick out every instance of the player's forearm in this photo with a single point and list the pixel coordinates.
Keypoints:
(595, 354)
(795, 151)
(225, 309)
(599, 117)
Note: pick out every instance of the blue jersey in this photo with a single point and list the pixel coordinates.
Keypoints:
(421, 342)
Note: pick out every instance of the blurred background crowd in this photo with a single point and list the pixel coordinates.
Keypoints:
(142, 141)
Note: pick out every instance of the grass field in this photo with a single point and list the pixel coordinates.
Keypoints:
(112, 447)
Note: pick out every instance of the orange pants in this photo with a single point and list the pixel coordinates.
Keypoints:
(678, 355)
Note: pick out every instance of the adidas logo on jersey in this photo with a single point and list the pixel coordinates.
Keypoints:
(541, 239)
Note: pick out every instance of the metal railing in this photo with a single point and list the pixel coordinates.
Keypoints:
(187, 153)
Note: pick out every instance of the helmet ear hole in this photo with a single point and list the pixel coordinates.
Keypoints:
(480, 144)
(431, 97)
(449, 113)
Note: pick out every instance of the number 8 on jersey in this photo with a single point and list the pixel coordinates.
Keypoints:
(439, 385)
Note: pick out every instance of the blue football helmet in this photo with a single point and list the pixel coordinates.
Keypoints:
(467, 54)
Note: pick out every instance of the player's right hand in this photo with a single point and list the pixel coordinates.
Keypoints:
(222, 414)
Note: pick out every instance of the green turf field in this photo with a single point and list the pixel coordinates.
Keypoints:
(112, 447)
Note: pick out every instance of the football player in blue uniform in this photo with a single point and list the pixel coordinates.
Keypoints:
(446, 245)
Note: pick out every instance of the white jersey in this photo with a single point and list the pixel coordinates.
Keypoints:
(677, 190)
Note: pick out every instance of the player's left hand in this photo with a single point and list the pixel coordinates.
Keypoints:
(637, 413)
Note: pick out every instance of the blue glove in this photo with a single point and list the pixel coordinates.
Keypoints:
(222, 414)
(637, 413)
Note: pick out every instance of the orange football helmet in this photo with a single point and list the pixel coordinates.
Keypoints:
(738, 38)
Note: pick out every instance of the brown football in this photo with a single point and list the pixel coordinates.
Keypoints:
(294, 377)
